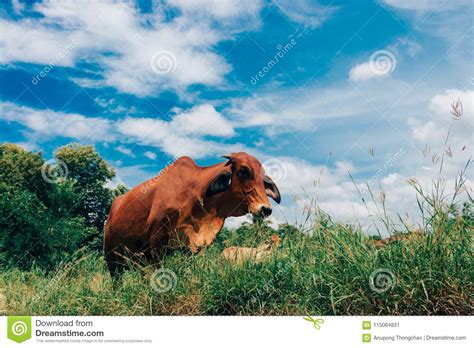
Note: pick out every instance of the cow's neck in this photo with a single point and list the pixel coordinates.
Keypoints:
(226, 206)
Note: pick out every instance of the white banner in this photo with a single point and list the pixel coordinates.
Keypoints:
(227, 332)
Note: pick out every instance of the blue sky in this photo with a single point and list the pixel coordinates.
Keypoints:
(308, 87)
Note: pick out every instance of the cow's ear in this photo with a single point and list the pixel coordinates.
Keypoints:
(271, 189)
(220, 183)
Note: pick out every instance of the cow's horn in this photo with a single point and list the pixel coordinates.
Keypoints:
(229, 158)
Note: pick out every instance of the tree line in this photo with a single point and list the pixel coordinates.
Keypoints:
(52, 210)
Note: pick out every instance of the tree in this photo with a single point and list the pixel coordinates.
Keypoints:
(49, 211)
(88, 173)
(21, 169)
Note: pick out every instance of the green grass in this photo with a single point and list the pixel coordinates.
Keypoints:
(325, 271)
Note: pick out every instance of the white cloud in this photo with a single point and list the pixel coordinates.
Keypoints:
(312, 187)
(424, 132)
(28, 146)
(254, 111)
(125, 150)
(381, 63)
(433, 129)
(449, 20)
(363, 72)
(235, 222)
(330, 189)
(88, 83)
(57, 124)
(202, 120)
(426, 5)
(285, 110)
(309, 13)
(158, 133)
(220, 9)
(333, 191)
(124, 42)
(150, 155)
(25, 41)
(405, 45)
(440, 104)
(182, 135)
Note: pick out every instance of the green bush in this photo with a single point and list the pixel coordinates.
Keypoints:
(44, 223)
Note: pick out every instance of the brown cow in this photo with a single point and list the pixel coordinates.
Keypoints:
(185, 205)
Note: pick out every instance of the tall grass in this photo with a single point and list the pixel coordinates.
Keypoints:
(326, 272)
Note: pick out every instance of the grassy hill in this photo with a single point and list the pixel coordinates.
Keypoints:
(330, 270)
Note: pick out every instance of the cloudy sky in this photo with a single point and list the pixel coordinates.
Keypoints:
(314, 89)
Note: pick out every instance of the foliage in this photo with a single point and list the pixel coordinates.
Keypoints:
(89, 173)
(44, 223)
(20, 169)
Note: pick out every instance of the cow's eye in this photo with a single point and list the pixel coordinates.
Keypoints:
(244, 172)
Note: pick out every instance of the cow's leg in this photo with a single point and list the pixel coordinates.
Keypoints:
(112, 260)
(115, 264)
(159, 236)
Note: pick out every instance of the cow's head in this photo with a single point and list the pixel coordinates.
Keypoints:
(246, 185)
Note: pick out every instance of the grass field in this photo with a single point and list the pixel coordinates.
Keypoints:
(320, 268)
(330, 270)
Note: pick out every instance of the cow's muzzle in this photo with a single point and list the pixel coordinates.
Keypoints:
(265, 211)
